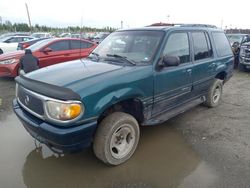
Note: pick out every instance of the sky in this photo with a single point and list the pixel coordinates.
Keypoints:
(102, 13)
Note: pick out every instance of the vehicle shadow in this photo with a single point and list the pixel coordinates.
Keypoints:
(163, 159)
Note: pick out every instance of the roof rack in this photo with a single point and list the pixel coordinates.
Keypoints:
(182, 25)
(197, 25)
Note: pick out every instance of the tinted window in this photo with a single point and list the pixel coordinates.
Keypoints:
(178, 45)
(202, 47)
(76, 44)
(221, 44)
(14, 39)
(60, 45)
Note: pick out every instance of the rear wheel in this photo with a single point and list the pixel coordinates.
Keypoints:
(116, 138)
(1, 51)
(214, 94)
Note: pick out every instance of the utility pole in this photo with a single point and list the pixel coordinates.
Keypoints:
(28, 14)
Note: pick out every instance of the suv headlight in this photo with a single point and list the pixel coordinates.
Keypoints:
(8, 61)
(64, 111)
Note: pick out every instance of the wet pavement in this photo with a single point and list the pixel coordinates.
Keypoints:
(200, 148)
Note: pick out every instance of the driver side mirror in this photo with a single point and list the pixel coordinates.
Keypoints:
(169, 61)
(47, 50)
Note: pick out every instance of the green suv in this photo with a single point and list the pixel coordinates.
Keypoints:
(135, 77)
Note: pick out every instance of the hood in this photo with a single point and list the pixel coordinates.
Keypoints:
(245, 44)
(12, 55)
(69, 73)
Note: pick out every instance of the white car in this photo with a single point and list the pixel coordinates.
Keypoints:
(41, 35)
(9, 44)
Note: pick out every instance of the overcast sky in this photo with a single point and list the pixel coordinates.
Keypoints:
(101, 13)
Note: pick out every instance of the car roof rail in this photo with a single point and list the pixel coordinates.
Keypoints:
(182, 25)
(198, 25)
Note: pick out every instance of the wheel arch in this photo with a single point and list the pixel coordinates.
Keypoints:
(221, 75)
(132, 106)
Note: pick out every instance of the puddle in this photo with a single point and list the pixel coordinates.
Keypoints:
(203, 175)
(162, 159)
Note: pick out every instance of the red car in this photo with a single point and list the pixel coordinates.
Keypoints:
(50, 51)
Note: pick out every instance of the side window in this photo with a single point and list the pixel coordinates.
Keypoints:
(12, 40)
(222, 45)
(60, 45)
(202, 47)
(26, 38)
(178, 45)
(76, 44)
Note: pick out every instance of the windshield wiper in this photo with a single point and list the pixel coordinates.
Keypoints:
(97, 56)
(121, 57)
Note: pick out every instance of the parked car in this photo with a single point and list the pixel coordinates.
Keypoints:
(236, 40)
(134, 77)
(50, 51)
(100, 37)
(26, 44)
(9, 44)
(244, 62)
(41, 35)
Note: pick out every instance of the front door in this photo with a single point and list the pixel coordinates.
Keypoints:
(173, 85)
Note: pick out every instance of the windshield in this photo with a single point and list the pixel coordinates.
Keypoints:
(39, 44)
(138, 46)
(3, 39)
(235, 38)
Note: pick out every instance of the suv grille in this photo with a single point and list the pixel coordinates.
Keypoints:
(30, 101)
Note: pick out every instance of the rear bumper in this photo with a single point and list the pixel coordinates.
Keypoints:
(61, 139)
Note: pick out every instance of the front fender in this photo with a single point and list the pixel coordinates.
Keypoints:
(115, 97)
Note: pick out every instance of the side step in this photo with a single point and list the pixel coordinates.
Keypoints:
(173, 112)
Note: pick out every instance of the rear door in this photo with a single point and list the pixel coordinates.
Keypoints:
(203, 59)
(80, 49)
(173, 85)
(60, 53)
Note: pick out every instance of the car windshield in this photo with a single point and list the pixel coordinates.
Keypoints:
(137, 46)
(39, 44)
(4, 39)
(235, 38)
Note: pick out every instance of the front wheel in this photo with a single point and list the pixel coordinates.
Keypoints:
(116, 138)
(1, 51)
(214, 94)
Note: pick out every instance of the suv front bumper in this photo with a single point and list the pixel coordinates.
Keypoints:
(60, 139)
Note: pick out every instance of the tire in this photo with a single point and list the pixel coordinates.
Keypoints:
(116, 138)
(1, 51)
(214, 94)
(242, 67)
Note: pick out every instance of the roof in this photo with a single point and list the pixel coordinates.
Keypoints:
(164, 27)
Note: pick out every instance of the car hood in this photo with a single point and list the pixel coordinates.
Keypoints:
(12, 55)
(70, 73)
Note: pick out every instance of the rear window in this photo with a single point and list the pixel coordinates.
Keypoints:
(222, 45)
(76, 44)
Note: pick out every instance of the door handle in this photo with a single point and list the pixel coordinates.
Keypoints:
(212, 65)
(189, 71)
